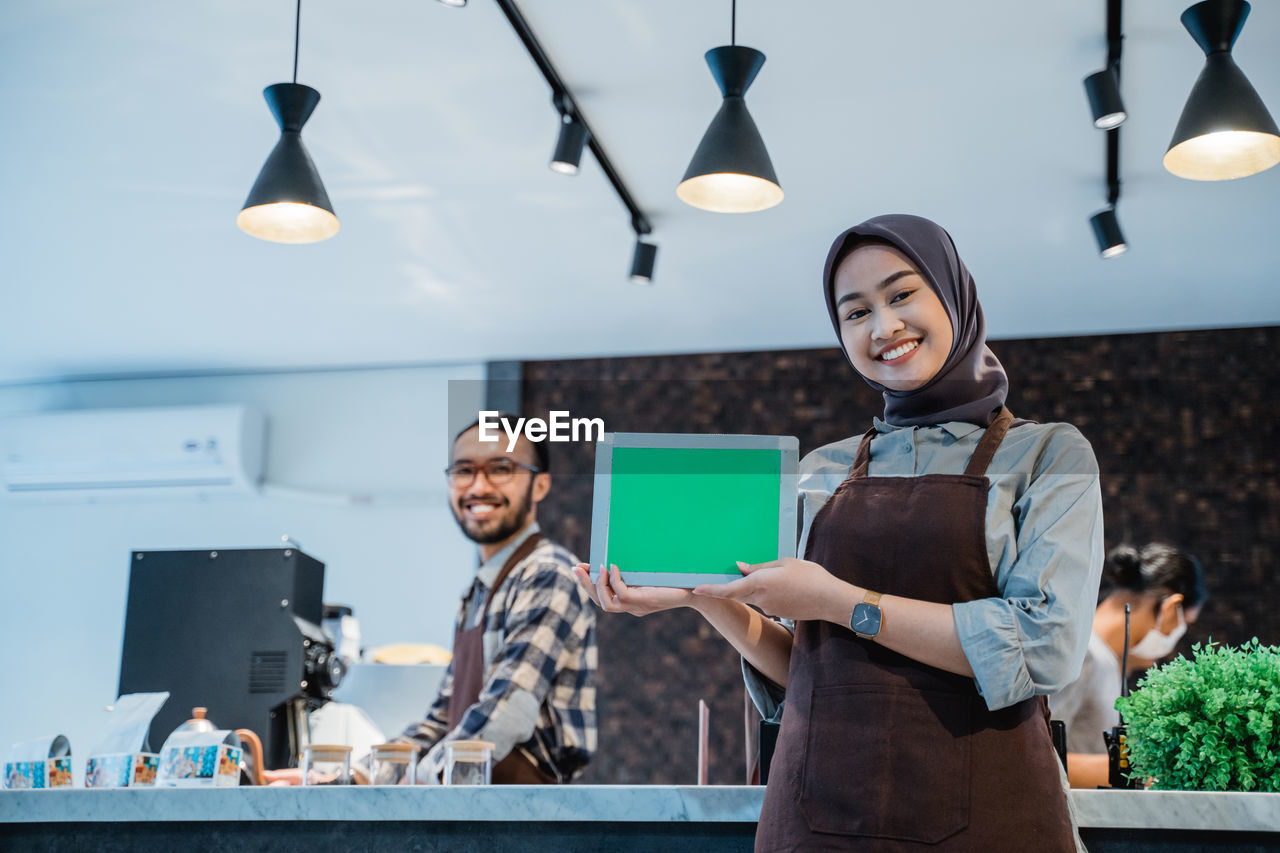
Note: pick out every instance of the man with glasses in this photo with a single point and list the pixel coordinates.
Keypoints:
(524, 658)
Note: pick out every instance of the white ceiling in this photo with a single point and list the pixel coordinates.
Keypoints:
(130, 134)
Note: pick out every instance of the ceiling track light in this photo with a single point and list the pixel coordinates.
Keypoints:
(571, 141)
(1106, 230)
(1105, 223)
(642, 260)
(1103, 87)
(566, 105)
(288, 202)
(1225, 131)
(731, 171)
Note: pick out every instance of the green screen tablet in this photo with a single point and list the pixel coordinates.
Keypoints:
(681, 510)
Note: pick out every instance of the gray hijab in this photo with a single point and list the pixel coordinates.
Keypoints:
(971, 386)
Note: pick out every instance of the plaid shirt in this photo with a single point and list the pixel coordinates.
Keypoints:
(539, 693)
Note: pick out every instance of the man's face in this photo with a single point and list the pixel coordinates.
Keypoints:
(491, 512)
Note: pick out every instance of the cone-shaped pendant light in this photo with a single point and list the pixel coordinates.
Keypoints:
(731, 171)
(288, 203)
(1225, 131)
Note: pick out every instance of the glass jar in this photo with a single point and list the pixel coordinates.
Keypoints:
(468, 762)
(326, 764)
(393, 764)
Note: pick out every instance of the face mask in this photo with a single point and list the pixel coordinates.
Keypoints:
(1155, 645)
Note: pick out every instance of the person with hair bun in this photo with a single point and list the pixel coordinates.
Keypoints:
(1164, 588)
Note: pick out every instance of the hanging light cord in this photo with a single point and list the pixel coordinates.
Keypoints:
(733, 23)
(297, 24)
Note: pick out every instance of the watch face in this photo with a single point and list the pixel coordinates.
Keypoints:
(865, 619)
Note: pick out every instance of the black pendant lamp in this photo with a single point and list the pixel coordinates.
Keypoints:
(288, 202)
(731, 171)
(1225, 131)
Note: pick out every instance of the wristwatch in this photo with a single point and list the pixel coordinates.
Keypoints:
(867, 618)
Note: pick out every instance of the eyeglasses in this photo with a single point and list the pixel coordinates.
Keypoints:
(496, 471)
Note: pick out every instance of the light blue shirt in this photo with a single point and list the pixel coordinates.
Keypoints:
(1044, 545)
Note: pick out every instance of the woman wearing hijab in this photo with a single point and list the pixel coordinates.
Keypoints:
(951, 564)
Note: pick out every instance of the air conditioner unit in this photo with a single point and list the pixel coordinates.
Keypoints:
(130, 452)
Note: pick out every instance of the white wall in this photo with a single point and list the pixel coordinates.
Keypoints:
(396, 555)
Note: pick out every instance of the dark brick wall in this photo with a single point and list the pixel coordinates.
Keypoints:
(1184, 425)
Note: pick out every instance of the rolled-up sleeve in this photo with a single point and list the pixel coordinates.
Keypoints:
(1032, 639)
(765, 693)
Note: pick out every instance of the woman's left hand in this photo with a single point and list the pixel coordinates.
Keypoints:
(786, 588)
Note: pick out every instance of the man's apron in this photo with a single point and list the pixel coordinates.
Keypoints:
(469, 676)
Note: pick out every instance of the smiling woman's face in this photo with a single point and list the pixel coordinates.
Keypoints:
(893, 326)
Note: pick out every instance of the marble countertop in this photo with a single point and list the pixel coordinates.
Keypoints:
(617, 803)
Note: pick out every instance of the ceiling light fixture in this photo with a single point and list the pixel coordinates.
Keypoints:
(1225, 131)
(642, 262)
(457, 4)
(572, 139)
(1103, 90)
(1103, 87)
(1105, 223)
(731, 171)
(571, 114)
(288, 202)
(1106, 230)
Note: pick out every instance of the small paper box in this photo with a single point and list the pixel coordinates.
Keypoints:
(199, 765)
(121, 770)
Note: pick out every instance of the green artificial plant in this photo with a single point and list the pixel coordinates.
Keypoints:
(1208, 723)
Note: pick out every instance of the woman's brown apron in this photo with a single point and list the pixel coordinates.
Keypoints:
(878, 752)
(517, 768)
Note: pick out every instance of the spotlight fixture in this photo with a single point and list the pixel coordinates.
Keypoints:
(642, 262)
(569, 145)
(1103, 89)
(1225, 131)
(288, 202)
(1106, 230)
(565, 105)
(1105, 223)
(731, 171)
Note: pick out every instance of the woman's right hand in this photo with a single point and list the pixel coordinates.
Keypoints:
(612, 594)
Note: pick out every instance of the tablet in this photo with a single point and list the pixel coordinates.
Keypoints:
(681, 510)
